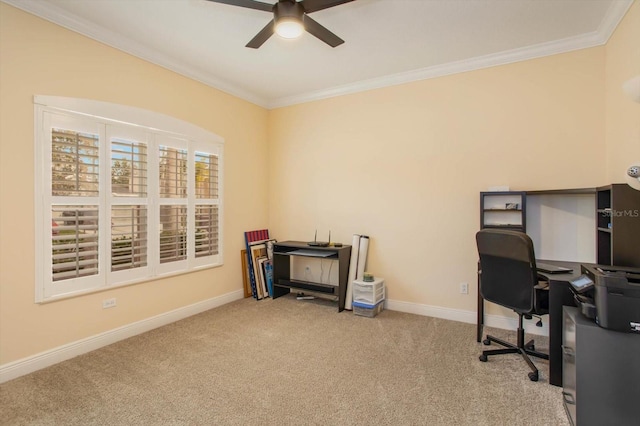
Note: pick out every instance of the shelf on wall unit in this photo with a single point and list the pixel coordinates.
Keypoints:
(307, 285)
(572, 191)
(496, 208)
(618, 225)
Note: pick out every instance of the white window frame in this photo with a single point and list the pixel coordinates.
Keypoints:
(111, 120)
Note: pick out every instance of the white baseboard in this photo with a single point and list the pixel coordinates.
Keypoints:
(497, 321)
(53, 356)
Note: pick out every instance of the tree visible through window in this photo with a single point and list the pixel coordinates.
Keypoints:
(74, 163)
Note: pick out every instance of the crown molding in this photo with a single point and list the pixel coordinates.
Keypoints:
(60, 17)
(51, 13)
(614, 15)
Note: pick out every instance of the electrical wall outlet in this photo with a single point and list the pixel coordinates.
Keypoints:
(464, 288)
(109, 303)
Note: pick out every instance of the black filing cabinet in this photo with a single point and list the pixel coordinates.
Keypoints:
(601, 373)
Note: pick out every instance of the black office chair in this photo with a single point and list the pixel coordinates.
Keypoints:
(508, 277)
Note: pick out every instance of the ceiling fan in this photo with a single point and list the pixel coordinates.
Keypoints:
(290, 19)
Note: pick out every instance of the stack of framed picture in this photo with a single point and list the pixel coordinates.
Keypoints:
(257, 264)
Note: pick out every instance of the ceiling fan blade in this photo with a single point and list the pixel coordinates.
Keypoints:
(315, 5)
(321, 32)
(249, 4)
(262, 36)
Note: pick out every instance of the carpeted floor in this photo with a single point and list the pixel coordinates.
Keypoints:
(289, 362)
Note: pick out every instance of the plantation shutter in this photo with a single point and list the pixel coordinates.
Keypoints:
(75, 180)
(72, 257)
(74, 235)
(129, 191)
(206, 209)
(74, 163)
(173, 189)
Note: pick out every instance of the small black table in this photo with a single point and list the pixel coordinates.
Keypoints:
(283, 282)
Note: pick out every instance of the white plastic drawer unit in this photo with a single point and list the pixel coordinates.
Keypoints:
(368, 292)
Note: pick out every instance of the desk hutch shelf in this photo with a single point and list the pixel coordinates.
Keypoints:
(618, 225)
(617, 218)
(494, 212)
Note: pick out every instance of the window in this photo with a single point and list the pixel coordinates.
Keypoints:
(121, 201)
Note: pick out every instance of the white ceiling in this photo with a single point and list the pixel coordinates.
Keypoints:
(386, 41)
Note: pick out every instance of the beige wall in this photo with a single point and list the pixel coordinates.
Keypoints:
(38, 57)
(402, 164)
(622, 115)
(405, 164)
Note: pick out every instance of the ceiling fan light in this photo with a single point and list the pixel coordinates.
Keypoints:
(289, 28)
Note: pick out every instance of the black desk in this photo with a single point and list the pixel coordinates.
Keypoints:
(600, 371)
(559, 295)
(283, 283)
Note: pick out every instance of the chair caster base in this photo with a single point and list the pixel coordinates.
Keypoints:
(533, 376)
(486, 342)
(483, 358)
